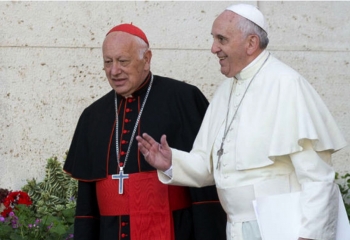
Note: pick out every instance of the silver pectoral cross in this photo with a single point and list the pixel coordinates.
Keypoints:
(219, 154)
(121, 176)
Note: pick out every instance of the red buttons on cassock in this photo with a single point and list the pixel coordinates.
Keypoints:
(131, 100)
(121, 164)
(126, 131)
(122, 153)
(124, 235)
(124, 142)
(127, 120)
(128, 110)
(124, 224)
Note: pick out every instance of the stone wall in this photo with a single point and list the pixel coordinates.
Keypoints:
(51, 64)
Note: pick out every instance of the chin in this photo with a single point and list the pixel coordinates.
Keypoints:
(226, 74)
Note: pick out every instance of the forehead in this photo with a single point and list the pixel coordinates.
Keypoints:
(225, 24)
(119, 43)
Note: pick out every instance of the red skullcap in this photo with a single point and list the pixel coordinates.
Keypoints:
(131, 29)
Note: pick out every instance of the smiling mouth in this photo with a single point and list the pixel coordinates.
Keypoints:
(221, 58)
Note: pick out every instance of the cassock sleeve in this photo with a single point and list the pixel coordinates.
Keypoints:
(86, 224)
(209, 216)
(76, 163)
(319, 196)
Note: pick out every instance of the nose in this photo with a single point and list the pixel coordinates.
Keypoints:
(214, 48)
(115, 70)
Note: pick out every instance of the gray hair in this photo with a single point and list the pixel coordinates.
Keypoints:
(248, 27)
(143, 47)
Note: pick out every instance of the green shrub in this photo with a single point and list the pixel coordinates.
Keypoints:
(344, 187)
(50, 216)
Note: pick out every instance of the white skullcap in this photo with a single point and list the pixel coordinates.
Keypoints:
(251, 13)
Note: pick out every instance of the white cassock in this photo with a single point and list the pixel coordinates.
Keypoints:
(280, 141)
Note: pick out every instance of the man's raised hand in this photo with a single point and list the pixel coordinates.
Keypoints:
(157, 155)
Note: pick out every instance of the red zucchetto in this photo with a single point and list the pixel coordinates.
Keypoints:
(131, 29)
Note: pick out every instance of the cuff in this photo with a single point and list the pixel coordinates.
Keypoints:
(169, 172)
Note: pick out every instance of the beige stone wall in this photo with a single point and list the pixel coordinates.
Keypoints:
(51, 65)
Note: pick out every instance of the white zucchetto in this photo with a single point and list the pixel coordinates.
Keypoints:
(251, 13)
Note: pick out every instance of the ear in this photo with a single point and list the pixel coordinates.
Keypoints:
(147, 58)
(253, 42)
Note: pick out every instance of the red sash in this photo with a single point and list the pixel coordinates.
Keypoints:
(148, 202)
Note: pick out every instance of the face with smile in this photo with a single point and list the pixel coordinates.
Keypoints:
(126, 62)
(229, 44)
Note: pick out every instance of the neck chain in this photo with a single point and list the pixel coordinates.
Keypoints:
(135, 127)
(221, 150)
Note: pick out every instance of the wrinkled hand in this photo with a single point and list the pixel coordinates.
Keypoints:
(157, 155)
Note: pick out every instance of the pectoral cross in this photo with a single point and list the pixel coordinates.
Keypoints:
(121, 176)
(219, 153)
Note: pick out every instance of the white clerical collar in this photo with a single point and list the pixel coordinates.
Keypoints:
(249, 71)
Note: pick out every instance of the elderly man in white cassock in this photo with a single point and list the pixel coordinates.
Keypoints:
(266, 132)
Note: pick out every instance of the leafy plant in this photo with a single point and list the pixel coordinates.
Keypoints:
(47, 213)
(344, 187)
(22, 224)
(55, 193)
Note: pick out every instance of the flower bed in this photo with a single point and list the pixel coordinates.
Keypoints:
(41, 211)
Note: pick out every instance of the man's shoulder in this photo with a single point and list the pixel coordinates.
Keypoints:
(102, 102)
(278, 67)
(173, 83)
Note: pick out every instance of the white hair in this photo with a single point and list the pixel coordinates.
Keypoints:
(248, 27)
(143, 47)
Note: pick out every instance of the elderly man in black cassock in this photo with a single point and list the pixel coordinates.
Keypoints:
(119, 195)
